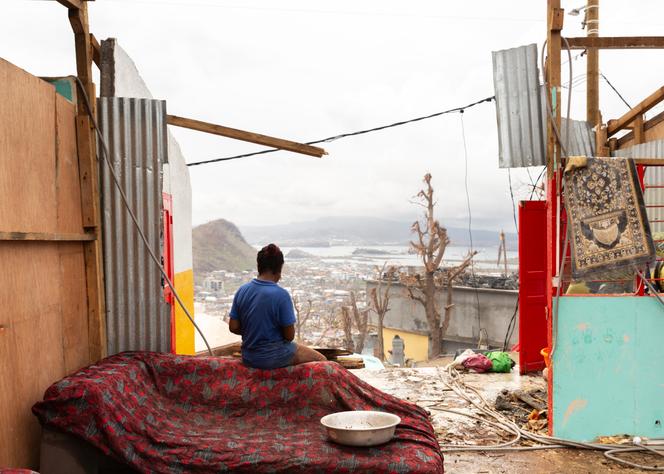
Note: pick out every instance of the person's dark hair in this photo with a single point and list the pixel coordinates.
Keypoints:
(270, 258)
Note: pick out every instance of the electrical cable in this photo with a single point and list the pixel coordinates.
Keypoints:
(105, 153)
(615, 90)
(470, 230)
(509, 179)
(350, 134)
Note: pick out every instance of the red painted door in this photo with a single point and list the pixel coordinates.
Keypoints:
(532, 285)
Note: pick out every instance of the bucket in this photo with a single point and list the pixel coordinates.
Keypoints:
(545, 354)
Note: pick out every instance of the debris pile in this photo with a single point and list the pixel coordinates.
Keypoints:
(526, 408)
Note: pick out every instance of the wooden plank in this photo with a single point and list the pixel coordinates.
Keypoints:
(616, 42)
(75, 4)
(557, 19)
(73, 302)
(67, 184)
(245, 136)
(31, 349)
(96, 50)
(639, 130)
(27, 154)
(47, 236)
(89, 178)
(652, 131)
(640, 109)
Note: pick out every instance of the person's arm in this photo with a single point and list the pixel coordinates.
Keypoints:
(288, 332)
(234, 326)
(287, 317)
(234, 320)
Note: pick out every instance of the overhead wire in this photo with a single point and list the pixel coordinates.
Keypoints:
(470, 230)
(606, 79)
(125, 201)
(351, 134)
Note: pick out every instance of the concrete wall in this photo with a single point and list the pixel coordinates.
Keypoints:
(120, 78)
(496, 308)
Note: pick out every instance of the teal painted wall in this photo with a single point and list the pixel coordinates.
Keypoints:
(63, 86)
(608, 368)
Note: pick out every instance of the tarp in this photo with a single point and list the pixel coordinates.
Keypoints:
(174, 414)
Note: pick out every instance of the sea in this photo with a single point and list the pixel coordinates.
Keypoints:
(398, 255)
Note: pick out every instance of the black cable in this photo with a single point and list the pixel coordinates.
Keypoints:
(615, 90)
(511, 325)
(509, 178)
(532, 192)
(349, 134)
(470, 229)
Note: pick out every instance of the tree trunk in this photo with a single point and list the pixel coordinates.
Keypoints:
(448, 312)
(379, 351)
(433, 318)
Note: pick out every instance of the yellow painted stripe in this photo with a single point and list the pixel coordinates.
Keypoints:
(184, 330)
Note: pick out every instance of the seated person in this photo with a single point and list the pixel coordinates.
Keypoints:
(262, 313)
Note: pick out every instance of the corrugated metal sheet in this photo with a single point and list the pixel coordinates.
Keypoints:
(518, 107)
(581, 141)
(137, 316)
(654, 177)
(521, 112)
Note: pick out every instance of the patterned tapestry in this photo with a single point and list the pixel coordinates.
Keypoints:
(607, 220)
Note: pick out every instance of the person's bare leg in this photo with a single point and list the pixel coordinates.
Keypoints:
(304, 354)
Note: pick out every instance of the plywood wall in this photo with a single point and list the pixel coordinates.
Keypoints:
(43, 299)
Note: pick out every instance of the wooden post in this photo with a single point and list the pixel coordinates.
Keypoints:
(554, 23)
(639, 130)
(592, 71)
(89, 176)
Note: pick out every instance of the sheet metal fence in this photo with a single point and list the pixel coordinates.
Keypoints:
(521, 112)
(137, 316)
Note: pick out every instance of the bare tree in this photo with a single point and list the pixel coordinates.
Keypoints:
(302, 316)
(347, 323)
(380, 304)
(431, 243)
(361, 319)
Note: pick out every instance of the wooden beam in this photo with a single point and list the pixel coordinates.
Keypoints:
(96, 50)
(47, 236)
(245, 136)
(657, 119)
(71, 4)
(89, 179)
(649, 161)
(616, 42)
(641, 108)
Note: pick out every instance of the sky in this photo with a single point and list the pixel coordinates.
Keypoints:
(309, 69)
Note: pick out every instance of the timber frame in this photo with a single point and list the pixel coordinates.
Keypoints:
(604, 132)
(87, 53)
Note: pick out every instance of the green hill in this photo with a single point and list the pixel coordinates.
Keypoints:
(219, 245)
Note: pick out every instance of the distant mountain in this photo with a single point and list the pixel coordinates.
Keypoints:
(360, 231)
(219, 245)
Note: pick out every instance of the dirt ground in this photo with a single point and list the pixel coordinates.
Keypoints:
(424, 386)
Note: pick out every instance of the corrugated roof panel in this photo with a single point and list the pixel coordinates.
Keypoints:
(518, 107)
(581, 141)
(137, 316)
(654, 177)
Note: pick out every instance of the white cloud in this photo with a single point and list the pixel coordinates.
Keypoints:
(308, 69)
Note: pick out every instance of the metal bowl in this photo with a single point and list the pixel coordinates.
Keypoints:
(360, 428)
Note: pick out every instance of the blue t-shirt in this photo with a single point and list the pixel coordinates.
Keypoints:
(263, 309)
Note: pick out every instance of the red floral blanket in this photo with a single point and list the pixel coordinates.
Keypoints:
(176, 414)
